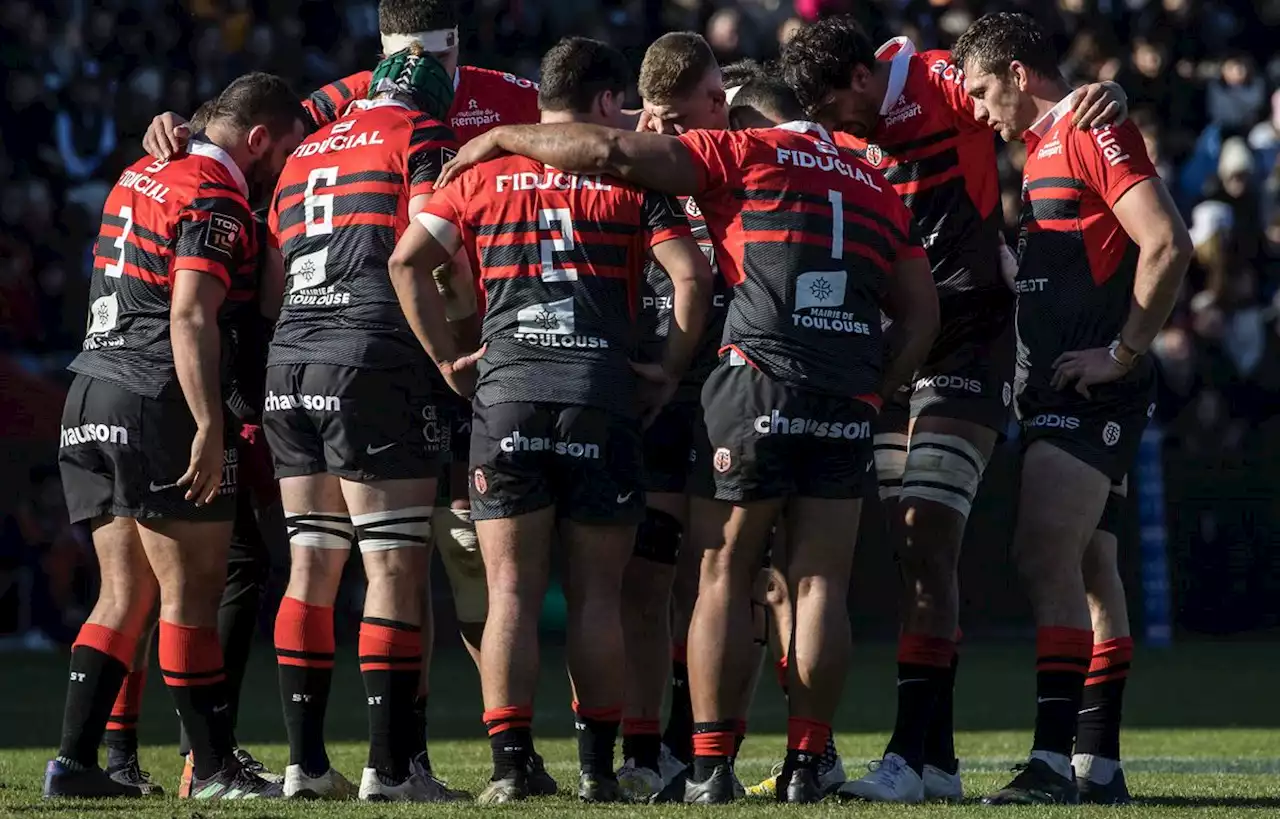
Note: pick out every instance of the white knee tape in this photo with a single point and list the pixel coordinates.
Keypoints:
(945, 469)
(891, 463)
(455, 539)
(393, 529)
(319, 530)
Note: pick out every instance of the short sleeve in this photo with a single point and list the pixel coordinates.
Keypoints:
(215, 236)
(327, 104)
(443, 215)
(430, 146)
(663, 218)
(1112, 160)
(713, 155)
(948, 78)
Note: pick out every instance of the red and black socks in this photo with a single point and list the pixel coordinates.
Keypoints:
(597, 730)
(1062, 660)
(642, 742)
(191, 662)
(1098, 723)
(390, 663)
(678, 736)
(304, 657)
(122, 725)
(924, 670)
(714, 744)
(100, 661)
(510, 739)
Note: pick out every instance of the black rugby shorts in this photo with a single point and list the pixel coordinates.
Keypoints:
(669, 452)
(765, 439)
(121, 454)
(360, 425)
(584, 461)
(1104, 433)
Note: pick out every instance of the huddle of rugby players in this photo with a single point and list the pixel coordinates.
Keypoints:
(693, 338)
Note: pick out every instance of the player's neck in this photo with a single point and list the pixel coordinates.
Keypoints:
(561, 117)
(1047, 93)
(229, 140)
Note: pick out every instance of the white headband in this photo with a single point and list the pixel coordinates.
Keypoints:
(432, 42)
(730, 93)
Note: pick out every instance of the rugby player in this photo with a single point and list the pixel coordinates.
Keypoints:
(554, 435)
(348, 409)
(907, 114)
(1102, 254)
(794, 226)
(482, 100)
(177, 240)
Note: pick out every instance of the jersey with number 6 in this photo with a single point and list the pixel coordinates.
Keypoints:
(807, 235)
(561, 264)
(161, 217)
(340, 206)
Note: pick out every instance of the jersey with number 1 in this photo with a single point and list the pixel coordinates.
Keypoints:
(807, 234)
(159, 218)
(339, 209)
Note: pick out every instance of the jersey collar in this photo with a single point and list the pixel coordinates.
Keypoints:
(202, 147)
(1041, 126)
(385, 102)
(802, 126)
(899, 64)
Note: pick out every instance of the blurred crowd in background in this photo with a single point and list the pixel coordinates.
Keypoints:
(83, 79)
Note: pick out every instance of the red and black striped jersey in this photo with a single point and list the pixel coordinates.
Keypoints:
(190, 213)
(561, 263)
(339, 208)
(1076, 264)
(657, 299)
(942, 162)
(807, 235)
(482, 99)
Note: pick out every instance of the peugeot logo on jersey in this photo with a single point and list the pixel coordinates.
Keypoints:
(874, 155)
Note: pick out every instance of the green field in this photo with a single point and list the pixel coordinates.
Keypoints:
(1203, 735)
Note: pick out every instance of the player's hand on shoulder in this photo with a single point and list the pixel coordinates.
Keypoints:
(460, 374)
(1087, 368)
(167, 136)
(654, 391)
(1099, 104)
(481, 149)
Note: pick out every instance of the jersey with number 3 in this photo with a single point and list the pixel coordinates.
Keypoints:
(339, 208)
(161, 217)
(562, 261)
(807, 235)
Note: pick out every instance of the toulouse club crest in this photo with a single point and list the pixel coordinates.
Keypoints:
(874, 155)
(691, 208)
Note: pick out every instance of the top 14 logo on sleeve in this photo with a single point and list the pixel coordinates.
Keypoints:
(222, 232)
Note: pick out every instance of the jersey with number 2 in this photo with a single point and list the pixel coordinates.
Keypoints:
(340, 206)
(807, 235)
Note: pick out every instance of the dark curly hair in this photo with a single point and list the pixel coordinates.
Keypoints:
(822, 56)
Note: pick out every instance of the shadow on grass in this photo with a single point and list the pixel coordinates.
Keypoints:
(1272, 802)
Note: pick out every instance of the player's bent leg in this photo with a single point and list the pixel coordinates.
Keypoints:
(646, 620)
(1099, 774)
(101, 657)
(123, 761)
(1060, 504)
(597, 559)
(517, 559)
(392, 520)
(320, 536)
(732, 539)
(677, 736)
(455, 539)
(821, 534)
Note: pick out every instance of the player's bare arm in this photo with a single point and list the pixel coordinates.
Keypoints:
(411, 267)
(911, 300)
(660, 163)
(193, 323)
(690, 275)
(1147, 213)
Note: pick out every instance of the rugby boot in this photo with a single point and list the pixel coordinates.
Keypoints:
(940, 786)
(889, 780)
(1036, 783)
(129, 772)
(593, 788)
(717, 789)
(63, 780)
(1115, 792)
(330, 785)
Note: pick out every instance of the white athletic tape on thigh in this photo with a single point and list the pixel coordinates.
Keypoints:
(319, 530)
(945, 469)
(393, 529)
(432, 42)
(453, 529)
(891, 462)
(455, 538)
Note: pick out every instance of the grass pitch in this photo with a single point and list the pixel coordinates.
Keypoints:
(1203, 736)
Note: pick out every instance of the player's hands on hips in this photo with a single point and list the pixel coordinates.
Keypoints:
(480, 149)
(1099, 104)
(655, 389)
(1087, 368)
(203, 477)
(167, 136)
(460, 374)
